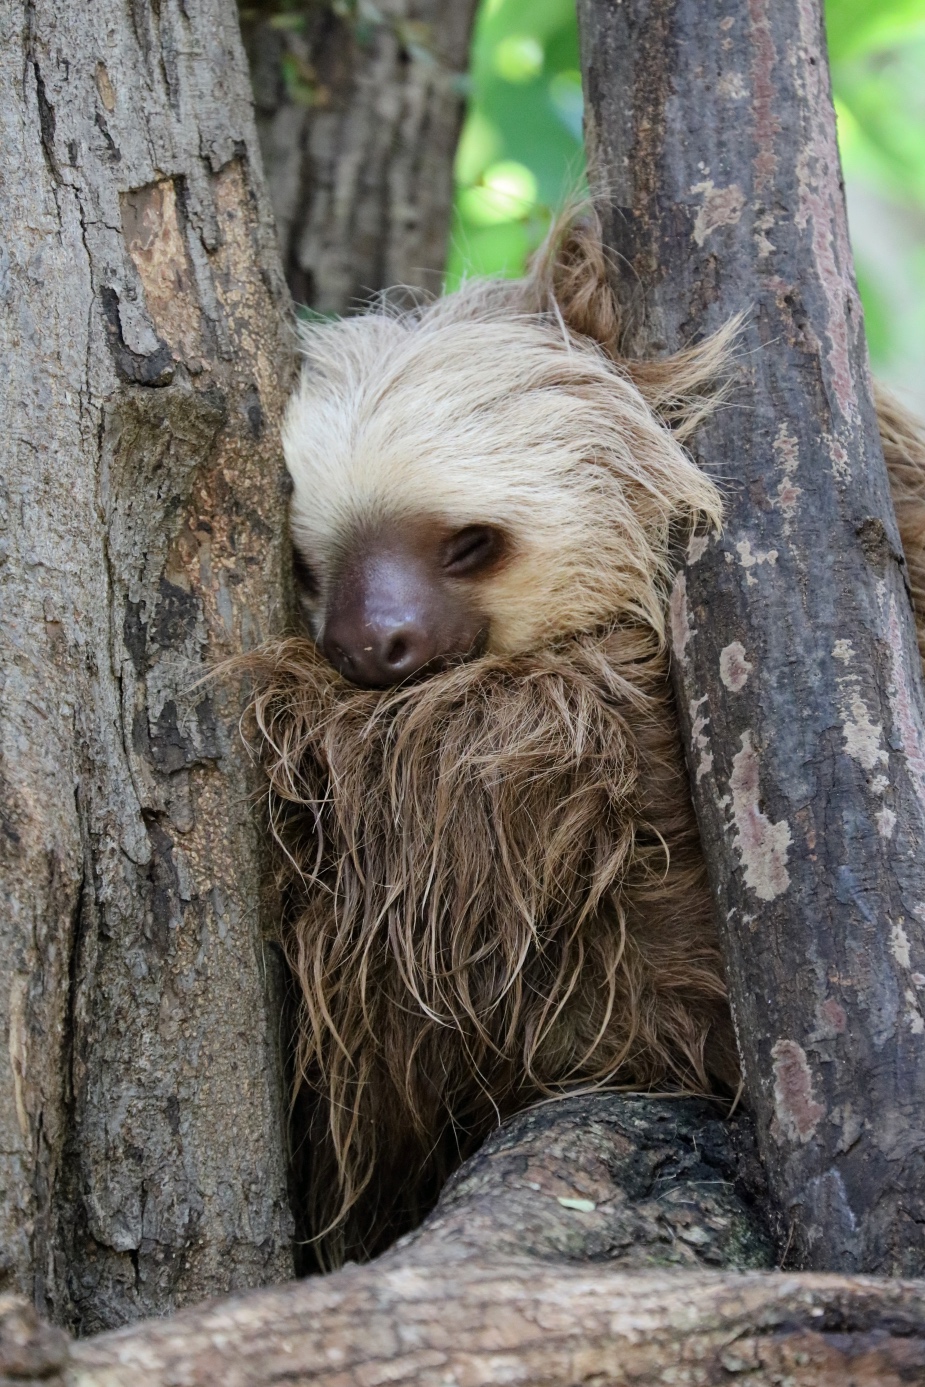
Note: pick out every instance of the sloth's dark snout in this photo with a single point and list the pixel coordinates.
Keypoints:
(376, 654)
(392, 614)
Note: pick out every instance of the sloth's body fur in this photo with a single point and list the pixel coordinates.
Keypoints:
(487, 913)
(495, 881)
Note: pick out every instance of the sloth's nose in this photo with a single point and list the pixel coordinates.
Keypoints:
(391, 614)
(378, 653)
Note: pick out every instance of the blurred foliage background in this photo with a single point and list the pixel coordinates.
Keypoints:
(521, 154)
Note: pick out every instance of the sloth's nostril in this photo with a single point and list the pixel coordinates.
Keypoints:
(397, 651)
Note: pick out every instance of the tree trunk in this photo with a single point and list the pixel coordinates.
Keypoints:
(798, 680)
(141, 1126)
(358, 115)
(556, 1256)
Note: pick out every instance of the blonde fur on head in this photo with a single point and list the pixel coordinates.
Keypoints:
(488, 407)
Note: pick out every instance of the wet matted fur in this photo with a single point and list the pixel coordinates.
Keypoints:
(483, 906)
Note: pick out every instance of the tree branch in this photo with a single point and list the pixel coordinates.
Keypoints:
(552, 1259)
(799, 682)
(142, 1110)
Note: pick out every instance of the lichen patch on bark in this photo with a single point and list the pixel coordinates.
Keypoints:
(900, 949)
(914, 1017)
(699, 738)
(797, 1112)
(899, 945)
(788, 493)
(750, 559)
(762, 845)
(720, 207)
(734, 668)
(681, 630)
(863, 737)
(697, 547)
(732, 86)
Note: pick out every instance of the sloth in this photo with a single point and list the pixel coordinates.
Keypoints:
(495, 888)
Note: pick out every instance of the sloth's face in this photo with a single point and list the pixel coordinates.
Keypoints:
(404, 598)
(469, 481)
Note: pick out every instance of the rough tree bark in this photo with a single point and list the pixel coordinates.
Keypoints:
(545, 1264)
(799, 683)
(358, 113)
(142, 1159)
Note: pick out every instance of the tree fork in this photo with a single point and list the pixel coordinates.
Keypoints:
(795, 662)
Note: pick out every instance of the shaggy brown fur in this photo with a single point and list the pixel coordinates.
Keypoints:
(495, 880)
(485, 910)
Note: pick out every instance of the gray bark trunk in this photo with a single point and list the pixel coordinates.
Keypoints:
(358, 144)
(582, 1245)
(799, 683)
(142, 1159)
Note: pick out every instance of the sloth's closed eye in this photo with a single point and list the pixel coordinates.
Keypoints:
(473, 549)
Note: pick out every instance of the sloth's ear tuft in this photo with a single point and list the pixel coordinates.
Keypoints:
(570, 276)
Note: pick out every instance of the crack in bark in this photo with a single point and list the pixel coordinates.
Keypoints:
(156, 369)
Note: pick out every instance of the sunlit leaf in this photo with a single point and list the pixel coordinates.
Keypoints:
(479, 144)
(860, 26)
(518, 58)
(497, 250)
(506, 193)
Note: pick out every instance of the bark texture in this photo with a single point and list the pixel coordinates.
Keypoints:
(799, 683)
(425, 1323)
(656, 1182)
(358, 112)
(557, 1256)
(142, 1158)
